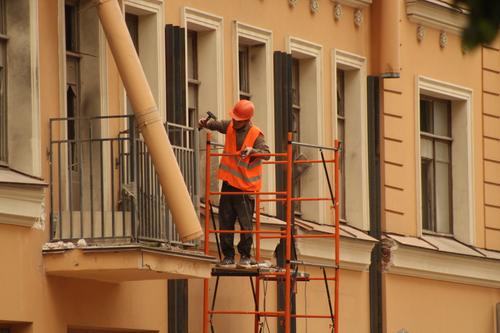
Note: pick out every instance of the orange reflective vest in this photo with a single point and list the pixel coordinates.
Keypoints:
(238, 172)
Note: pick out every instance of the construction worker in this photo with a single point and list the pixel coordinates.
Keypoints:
(240, 173)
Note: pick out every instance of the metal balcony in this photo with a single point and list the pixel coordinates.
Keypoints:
(104, 189)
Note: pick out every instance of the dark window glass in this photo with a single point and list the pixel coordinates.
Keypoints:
(341, 137)
(244, 71)
(436, 165)
(3, 85)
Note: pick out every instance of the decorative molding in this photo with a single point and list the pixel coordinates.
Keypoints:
(202, 19)
(354, 254)
(314, 5)
(354, 3)
(420, 33)
(443, 39)
(471, 270)
(358, 17)
(292, 3)
(437, 14)
(337, 11)
(22, 205)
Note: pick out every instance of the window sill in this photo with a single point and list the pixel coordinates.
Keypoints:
(441, 258)
(21, 199)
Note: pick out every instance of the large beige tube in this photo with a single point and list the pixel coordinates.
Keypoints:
(389, 38)
(149, 119)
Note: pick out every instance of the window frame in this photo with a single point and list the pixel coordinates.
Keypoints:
(311, 54)
(433, 139)
(464, 222)
(355, 147)
(260, 42)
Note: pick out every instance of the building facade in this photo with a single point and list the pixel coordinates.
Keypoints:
(87, 244)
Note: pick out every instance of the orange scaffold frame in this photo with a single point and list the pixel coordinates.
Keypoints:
(286, 274)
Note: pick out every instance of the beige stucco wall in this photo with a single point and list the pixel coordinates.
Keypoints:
(50, 304)
(419, 305)
(236, 294)
(422, 305)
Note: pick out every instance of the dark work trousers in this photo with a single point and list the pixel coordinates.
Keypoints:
(230, 208)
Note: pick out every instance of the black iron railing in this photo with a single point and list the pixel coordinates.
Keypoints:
(103, 185)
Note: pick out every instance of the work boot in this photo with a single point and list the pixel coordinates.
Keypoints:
(245, 262)
(227, 262)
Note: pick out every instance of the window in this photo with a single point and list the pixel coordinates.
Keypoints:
(444, 159)
(307, 85)
(253, 76)
(341, 138)
(350, 123)
(3, 85)
(296, 129)
(193, 81)
(5, 330)
(244, 72)
(144, 19)
(436, 173)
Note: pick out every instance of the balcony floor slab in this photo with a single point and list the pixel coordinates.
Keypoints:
(122, 263)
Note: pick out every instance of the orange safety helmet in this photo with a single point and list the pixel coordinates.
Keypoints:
(242, 110)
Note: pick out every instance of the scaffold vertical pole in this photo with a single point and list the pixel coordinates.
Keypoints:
(288, 251)
(257, 258)
(337, 235)
(207, 228)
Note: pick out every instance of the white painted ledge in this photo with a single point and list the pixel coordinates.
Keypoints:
(21, 199)
(436, 14)
(470, 265)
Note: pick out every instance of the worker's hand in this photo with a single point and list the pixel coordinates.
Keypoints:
(202, 122)
(247, 152)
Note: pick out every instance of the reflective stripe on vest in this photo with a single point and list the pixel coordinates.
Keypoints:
(240, 173)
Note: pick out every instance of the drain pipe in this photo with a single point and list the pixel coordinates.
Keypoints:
(390, 39)
(149, 120)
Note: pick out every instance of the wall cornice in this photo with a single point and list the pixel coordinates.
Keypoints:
(430, 264)
(354, 3)
(437, 14)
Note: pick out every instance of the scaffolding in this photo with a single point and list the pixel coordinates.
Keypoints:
(288, 274)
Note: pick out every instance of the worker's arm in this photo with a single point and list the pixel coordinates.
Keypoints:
(259, 147)
(214, 125)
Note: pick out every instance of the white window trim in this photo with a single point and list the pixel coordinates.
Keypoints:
(154, 7)
(309, 49)
(463, 230)
(265, 37)
(216, 24)
(357, 211)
